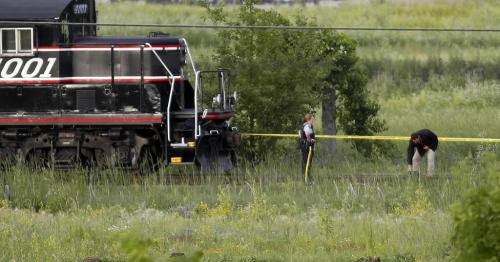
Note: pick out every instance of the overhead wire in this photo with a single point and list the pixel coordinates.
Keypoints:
(262, 27)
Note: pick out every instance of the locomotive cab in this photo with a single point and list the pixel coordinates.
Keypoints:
(218, 138)
(71, 97)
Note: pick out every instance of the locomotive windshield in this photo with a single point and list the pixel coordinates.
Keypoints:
(215, 90)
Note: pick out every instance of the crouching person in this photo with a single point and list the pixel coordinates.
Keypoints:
(422, 142)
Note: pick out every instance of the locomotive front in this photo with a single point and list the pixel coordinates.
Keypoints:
(70, 97)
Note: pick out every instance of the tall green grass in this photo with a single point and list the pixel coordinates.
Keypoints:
(259, 213)
(319, 234)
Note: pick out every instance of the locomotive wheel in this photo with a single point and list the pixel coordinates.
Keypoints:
(148, 161)
(37, 158)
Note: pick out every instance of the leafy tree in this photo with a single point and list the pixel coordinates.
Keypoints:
(476, 218)
(281, 74)
(268, 66)
(345, 98)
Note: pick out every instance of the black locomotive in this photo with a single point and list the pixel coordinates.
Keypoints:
(68, 96)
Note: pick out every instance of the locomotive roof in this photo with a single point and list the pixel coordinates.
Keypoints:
(128, 40)
(32, 9)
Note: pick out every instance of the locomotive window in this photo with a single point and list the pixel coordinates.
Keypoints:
(8, 41)
(16, 41)
(25, 40)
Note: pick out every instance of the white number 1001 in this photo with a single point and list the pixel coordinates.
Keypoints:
(30, 69)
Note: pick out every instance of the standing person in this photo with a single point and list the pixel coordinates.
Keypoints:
(307, 145)
(421, 142)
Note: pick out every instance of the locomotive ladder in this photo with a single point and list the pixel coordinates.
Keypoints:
(194, 114)
(172, 85)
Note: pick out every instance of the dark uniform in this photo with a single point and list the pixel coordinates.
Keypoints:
(304, 146)
(428, 139)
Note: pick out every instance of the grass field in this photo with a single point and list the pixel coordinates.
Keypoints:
(357, 208)
(265, 213)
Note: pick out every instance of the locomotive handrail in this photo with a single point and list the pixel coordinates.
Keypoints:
(189, 54)
(172, 85)
(197, 129)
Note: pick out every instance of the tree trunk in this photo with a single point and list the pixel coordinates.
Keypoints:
(329, 121)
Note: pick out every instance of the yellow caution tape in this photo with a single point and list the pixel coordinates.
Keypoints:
(400, 138)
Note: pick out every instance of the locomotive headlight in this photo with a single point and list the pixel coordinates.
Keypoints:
(216, 100)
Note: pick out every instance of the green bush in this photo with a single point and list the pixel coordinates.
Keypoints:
(477, 217)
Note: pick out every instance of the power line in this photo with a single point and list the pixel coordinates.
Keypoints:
(264, 27)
